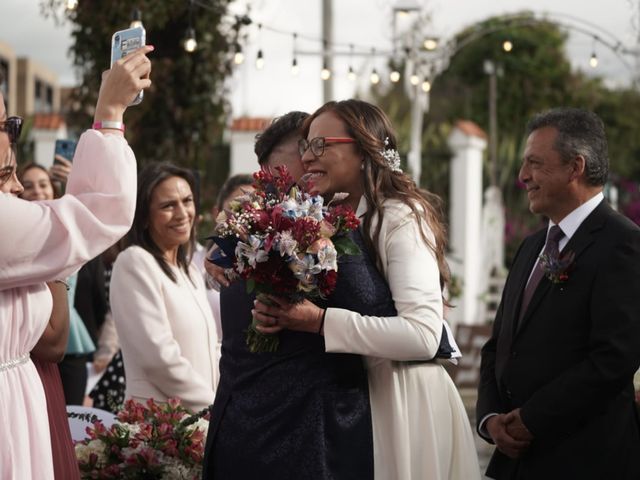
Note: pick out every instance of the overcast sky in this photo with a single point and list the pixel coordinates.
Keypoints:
(274, 90)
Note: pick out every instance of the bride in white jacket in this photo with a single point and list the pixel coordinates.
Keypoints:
(420, 428)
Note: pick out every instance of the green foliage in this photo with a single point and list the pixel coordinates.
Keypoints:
(536, 76)
(182, 116)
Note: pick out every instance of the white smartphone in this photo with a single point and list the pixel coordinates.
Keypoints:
(125, 42)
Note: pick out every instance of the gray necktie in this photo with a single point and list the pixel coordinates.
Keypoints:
(551, 249)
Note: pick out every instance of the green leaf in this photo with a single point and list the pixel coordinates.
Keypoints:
(346, 246)
(251, 285)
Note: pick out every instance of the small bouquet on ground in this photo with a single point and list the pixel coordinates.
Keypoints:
(283, 241)
(158, 441)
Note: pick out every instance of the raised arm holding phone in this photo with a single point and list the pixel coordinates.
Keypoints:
(97, 210)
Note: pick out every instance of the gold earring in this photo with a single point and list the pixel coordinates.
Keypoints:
(362, 165)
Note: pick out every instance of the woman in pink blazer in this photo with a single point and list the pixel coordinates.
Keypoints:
(47, 241)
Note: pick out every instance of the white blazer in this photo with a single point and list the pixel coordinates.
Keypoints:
(166, 329)
(420, 427)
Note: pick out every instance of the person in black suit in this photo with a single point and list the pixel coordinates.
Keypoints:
(556, 391)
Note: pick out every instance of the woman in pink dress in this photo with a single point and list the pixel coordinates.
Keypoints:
(43, 242)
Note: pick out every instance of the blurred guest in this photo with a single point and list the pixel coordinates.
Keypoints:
(165, 325)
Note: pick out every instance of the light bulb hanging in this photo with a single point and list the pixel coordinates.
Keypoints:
(136, 18)
(295, 69)
(394, 76)
(259, 56)
(71, 5)
(431, 44)
(593, 61)
(414, 79)
(325, 73)
(190, 43)
(238, 57)
(260, 60)
(375, 78)
(507, 45)
(351, 75)
(426, 86)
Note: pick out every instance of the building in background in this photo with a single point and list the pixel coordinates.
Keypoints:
(32, 91)
(243, 137)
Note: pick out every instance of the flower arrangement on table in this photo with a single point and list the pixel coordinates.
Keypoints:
(156, 441)
(283, 241)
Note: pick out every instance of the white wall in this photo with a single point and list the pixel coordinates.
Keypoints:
(243, 158)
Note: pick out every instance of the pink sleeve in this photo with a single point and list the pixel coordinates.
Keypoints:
(44, 241)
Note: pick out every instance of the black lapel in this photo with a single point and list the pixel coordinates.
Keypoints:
(578, 243)
(523, 273)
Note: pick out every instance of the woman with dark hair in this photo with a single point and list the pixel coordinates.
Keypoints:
(47, 241)
(392, 307)
(158, 302)
(37, 183)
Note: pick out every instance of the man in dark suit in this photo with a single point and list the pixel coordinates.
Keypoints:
(556, 393)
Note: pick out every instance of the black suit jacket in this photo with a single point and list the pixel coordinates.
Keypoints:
(569, 363)
(91, 299)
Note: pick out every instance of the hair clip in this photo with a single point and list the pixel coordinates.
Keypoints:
(391, 157)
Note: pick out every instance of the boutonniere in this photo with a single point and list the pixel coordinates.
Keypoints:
(557, 269)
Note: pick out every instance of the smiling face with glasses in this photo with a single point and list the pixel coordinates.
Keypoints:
(332, 159)
(8, 179)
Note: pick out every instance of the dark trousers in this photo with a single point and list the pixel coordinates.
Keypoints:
(73, 372)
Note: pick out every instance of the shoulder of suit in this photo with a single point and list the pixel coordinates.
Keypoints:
(616, 220)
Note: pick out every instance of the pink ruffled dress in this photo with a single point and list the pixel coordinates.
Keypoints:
(45, 241)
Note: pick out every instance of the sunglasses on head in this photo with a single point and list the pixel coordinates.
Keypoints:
(12, 126)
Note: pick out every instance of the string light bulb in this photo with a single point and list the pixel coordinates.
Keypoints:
(71, 5)
(260, 60)
(426, 86)
(394, 76)
(136, 18)
(507, 45)
(593, 61)
(238, 57)
(325, 73)
(294, 63)
(190, 43)
(430, 44)
(351, 75)
(375, 78)
(414, 79)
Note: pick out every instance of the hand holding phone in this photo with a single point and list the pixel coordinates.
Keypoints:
(123, 43)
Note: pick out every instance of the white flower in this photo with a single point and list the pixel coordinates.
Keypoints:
(286, 243)
(83, 452)
(201, 424)
(315, 211)
(252, 251)
(328, 258)
(304, 266)
(293, 208)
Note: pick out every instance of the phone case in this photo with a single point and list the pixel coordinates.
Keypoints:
(65, 148)
(123, 43)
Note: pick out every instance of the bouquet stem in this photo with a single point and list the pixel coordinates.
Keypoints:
(257, 341)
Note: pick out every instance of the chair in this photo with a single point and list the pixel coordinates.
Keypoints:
(78, 426)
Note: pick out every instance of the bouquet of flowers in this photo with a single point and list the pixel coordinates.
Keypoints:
(152, 441)
(283, 241)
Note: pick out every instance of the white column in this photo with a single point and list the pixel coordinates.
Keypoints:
(243, 158)
(465, 218)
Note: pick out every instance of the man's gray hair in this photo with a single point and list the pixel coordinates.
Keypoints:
(580, 133)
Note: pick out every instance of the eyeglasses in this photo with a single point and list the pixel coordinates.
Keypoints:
(12, 126)
(317, 144)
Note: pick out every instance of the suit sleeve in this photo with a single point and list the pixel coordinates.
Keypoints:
(586, 388)
(145, 333)
(414, 280)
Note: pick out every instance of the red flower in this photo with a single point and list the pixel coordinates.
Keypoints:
(328, 282)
